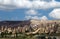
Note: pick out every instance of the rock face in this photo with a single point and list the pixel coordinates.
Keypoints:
(22, 26)
(45, 26)
(34, 26)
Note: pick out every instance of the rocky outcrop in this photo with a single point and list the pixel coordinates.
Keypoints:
(34, 26)
(45, 26)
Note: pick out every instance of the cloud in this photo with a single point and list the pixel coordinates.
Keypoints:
(44, 18)
(7, 4)
(36, 17)
(32, 17)
(27, 17)
(32, 12)
(55, 14)
(35, 4)
(38, 4)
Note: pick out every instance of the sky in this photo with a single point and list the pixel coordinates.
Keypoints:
(29, 9)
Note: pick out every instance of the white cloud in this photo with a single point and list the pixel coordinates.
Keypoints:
(35, 4)
(23, 4)
(55, 14)
(7, 4)
(32, 12)
(36, 17)
(32, 17)
(44, 18)
(27, 17)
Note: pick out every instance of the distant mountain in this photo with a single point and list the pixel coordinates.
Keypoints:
(14, 23)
